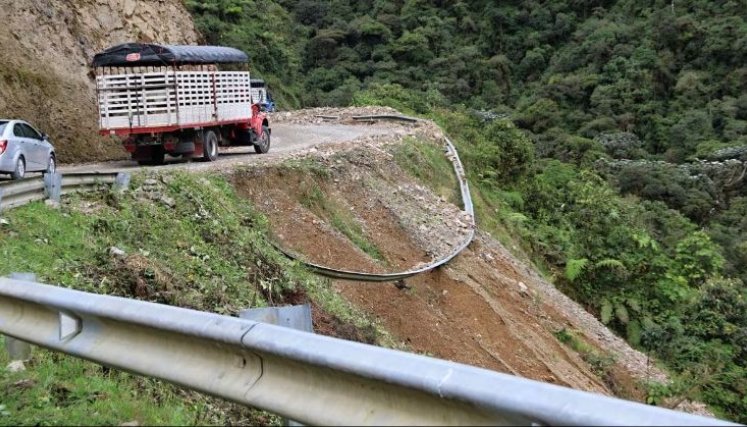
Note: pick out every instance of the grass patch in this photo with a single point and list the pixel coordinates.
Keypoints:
(189, 241)
(61, 390)
(599, 362)
(307, 164)
(427, 162)
(314, 199)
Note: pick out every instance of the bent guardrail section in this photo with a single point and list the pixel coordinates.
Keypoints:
(468, 207)
(306, 377)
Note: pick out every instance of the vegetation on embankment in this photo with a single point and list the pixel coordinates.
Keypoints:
(181, 239)
(645, 270)
(656, 250)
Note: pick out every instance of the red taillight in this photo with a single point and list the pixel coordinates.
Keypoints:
(3, 145)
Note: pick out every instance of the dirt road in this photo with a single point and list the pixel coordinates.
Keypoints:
(287, 138)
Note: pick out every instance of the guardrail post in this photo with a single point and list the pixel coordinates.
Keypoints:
(19, 351)
(294, 317)
(53, 186)
(122, 182)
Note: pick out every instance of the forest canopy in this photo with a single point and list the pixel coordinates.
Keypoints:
(609, 137)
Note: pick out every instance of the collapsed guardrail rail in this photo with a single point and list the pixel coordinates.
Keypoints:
(302, 376)
(468, 207)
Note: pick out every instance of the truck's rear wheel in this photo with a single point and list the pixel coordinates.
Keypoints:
(210, 146)
(262, 145)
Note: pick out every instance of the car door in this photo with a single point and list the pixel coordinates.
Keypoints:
(24, 145)
(38, 152)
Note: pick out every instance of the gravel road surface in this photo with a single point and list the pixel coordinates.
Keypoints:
(287, 138)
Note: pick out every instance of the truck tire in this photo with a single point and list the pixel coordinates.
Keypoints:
(262, 145)
(210, 146)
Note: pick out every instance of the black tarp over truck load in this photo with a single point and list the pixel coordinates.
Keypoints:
(138, 54)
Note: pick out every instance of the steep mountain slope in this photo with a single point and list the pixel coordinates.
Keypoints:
(584, 79)
(383, 201)
(47, 46)
(363, 206)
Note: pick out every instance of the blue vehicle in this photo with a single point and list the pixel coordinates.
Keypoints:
(262, 96)
(270, 104)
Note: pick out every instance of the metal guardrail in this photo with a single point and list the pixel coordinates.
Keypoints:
(310, 378)
(51, 186)
(86, 181)
(17, 193)
(395, 117)
(468, 207)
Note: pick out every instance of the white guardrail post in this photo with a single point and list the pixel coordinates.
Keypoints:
(121, 182)
(53, 187)
(19, 351)
(301, 376)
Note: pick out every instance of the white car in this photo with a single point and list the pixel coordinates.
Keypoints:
(24, 149)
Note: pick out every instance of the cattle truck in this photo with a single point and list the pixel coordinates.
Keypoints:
(160, 99)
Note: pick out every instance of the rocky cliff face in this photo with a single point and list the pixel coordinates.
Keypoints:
(47, 46)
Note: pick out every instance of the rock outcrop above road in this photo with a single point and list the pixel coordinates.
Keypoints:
(47, 48)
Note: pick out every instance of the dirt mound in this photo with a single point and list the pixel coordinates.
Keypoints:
(358, 210)
(47, 46)
(327, 114)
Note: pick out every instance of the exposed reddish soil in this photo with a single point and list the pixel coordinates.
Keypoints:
(477, 310)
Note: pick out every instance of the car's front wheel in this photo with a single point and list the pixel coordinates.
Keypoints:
(20, 171)
(51, 165)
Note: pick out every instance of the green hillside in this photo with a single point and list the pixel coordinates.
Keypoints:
(607, 138)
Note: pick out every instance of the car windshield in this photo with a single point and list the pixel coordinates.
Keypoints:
(2, 127)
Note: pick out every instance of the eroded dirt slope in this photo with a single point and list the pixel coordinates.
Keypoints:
(477, 310)
(46, 48)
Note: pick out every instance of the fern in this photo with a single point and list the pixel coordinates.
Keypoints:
(622, 313)
(606, 313)
(634, 304)
(645, 241)
(633, 330)
(515, 217)
(610, 263)
(574, 268)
